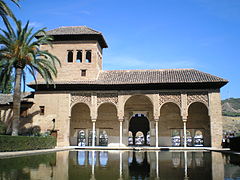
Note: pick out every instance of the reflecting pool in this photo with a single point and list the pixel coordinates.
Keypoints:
(119, 165)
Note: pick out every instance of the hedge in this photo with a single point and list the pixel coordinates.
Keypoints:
(22, 143)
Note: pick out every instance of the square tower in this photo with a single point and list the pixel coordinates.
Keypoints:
(79, 50)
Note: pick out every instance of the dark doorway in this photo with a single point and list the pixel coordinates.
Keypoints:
(139, 124)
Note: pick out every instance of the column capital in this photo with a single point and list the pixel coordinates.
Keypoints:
(184, 119)
(94, 120)
(120, 120)
(156, 120)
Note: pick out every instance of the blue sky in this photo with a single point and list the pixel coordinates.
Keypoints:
(154, 34)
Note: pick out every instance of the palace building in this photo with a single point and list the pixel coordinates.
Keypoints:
(89, 106)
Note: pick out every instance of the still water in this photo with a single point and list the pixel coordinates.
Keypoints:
(111, 165)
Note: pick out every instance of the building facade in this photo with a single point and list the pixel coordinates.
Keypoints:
(89, 106)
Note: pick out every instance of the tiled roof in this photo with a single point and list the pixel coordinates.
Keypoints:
(156, 76)
(160, 76)
(8, 98)
(71, 30)
(73, 33)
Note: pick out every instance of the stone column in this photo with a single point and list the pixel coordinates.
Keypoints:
(185, 165)
(93, 132)
(156, 129)
(120, 132)
(184, 119)
(215, 113)
(157, 166)
(93, 164)
(120, 165)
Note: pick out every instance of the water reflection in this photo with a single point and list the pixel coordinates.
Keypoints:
(139, 168)
(122, 165)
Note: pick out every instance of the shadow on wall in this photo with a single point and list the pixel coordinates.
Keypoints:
(25, 126)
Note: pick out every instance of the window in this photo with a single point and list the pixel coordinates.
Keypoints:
(83, 72)
(79, 56)
(88, 56)
(70, 57)
(23, 112)
(42, 110)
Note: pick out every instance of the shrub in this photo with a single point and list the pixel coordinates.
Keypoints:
(3, 128)
(21, 143)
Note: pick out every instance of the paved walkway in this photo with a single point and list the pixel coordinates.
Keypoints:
(142, 148)
(32, 152)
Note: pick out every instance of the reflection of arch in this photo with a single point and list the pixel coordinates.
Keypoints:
(103, 158)
(80, 119)
(198, 118)
(139, 170)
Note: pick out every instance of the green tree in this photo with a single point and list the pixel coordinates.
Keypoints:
(20, 54)
(5, 10)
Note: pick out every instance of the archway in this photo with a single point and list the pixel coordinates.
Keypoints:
(170, 125)
(139, 126)
(107, 125)
(138, 110)
(80, 125)
(198, 123)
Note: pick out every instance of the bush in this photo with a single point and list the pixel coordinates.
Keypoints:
(3, 128)
(22, 143)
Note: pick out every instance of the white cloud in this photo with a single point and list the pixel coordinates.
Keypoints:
(35, 24)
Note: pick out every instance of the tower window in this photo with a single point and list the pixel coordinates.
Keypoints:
(42, 110)
(83, 72)
(88, 56)
(70, 57)
(79, 56)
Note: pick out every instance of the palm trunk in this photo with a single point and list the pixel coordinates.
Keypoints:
(16, 102)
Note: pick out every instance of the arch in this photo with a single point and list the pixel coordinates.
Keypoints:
(70, 56)
(80, 121)
(102, 103)
(138, 95)
(139, 126)
(138, 104)
(79, 56)
(170, 123)
(169, 101)
(88, 56)
(75, 103)
(107, 121)
(203, 103)
(198, 119)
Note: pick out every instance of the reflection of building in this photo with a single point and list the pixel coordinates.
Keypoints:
(156, 102)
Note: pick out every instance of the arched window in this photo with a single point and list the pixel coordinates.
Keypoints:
(79, 56)
(130, 138)
(103, 138)
(198, 138)
(176, 138)
(81, 138)
(88, 56)
(70, 57)
(139, 139)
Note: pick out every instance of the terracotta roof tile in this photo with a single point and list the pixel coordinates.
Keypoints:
(159, 76)
(71, 30)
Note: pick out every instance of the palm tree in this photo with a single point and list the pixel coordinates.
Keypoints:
(20, 53)
(5, 10)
